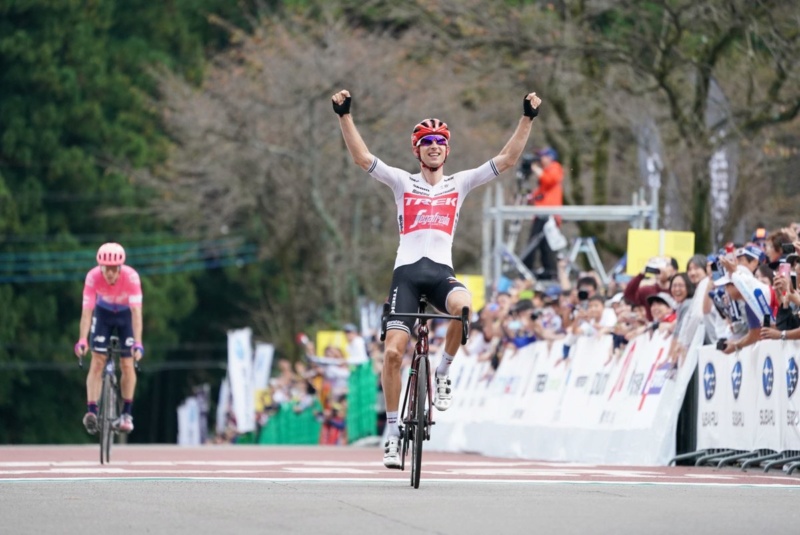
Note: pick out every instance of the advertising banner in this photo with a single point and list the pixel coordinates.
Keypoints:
(596, 406)
(262, 367)
(189, 423)
(240, 378)
(748, 401)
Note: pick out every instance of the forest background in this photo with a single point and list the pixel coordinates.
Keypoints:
(199, 134)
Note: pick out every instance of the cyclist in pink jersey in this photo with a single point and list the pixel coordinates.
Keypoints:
(428, 204)
(112, 299)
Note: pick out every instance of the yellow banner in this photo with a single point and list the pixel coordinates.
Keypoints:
(331, 338)
(263, 399)
(646, 244)
(474, 284)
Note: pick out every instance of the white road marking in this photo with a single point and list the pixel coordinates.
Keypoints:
(427, 481)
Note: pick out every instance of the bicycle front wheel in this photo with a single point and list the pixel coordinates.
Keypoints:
(420, 403)
(108, 404)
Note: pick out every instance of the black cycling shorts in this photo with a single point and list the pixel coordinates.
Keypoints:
(410, 282)
(104, 323)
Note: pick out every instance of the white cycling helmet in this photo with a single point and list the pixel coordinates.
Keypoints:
(111, 254)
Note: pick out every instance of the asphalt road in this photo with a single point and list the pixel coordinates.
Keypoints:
(316, 491)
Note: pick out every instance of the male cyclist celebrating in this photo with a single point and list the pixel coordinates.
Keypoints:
(112, 298)
(428, 204)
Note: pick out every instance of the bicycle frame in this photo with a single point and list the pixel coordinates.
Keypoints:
(416, 414)
(410, 398)
(110, 399)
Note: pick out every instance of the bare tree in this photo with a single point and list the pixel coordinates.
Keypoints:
(604, 61)
(257, 150)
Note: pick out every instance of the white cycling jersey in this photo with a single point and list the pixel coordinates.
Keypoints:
(427, 215)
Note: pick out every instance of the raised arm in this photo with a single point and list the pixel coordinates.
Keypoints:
(355, 144)
(511, 152)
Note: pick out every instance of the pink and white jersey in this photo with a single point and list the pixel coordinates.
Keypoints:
(427, 215)
(127, 291)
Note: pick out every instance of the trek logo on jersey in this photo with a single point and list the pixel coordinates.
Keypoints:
(429, 213)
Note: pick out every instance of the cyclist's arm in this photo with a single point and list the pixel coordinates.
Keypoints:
(355, 143)
(89, 299)
(136, 321)
(513, 150)
(135, 299)
(86, 323)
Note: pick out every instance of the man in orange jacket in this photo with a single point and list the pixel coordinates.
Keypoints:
(549, 192)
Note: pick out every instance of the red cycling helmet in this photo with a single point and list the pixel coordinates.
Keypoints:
(428, 127)
(111, 254)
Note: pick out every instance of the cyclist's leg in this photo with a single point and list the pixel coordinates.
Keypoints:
(395, 345)
(456, 301)
(450, 295)
(126, 363)
(391, 380)
(403, 298)
(94, 384)
(94, 380)
(125, 330)
(98, 342)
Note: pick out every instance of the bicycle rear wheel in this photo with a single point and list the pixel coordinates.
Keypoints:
(108, 404)
(421, 421)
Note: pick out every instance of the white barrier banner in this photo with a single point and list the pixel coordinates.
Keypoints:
(789, 415)
(262, 367)
(189, 423)
(595, 406)
(223, 406)
(240, 377)
(769, 394)
(747, 401)
(712, 402)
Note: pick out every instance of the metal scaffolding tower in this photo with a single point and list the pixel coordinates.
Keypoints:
(499, 239)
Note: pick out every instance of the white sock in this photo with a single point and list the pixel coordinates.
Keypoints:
(444, 365)
(392, 429)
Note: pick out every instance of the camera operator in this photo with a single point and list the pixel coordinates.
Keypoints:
(663, 268)
(518, 329)
(549, 192)
(785, 288)
(774, 244)
(587, 288)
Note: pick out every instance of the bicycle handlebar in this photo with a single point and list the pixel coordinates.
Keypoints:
(136, 364)
(424, 316)
(463, 318)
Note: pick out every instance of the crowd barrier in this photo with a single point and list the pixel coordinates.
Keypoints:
(592, 409)
(746, 399)
(289, 426)
(362, 416)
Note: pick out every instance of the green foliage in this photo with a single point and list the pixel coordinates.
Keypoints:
(78, 102)
(75, 96)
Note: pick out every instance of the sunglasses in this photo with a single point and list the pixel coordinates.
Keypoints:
(427, 141)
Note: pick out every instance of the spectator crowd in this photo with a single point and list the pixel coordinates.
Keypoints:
(663, 299)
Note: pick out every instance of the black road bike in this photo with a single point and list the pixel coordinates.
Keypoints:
(417, 414)
(109, 407)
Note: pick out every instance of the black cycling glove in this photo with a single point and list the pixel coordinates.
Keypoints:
(343, 108)
(528, 110)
